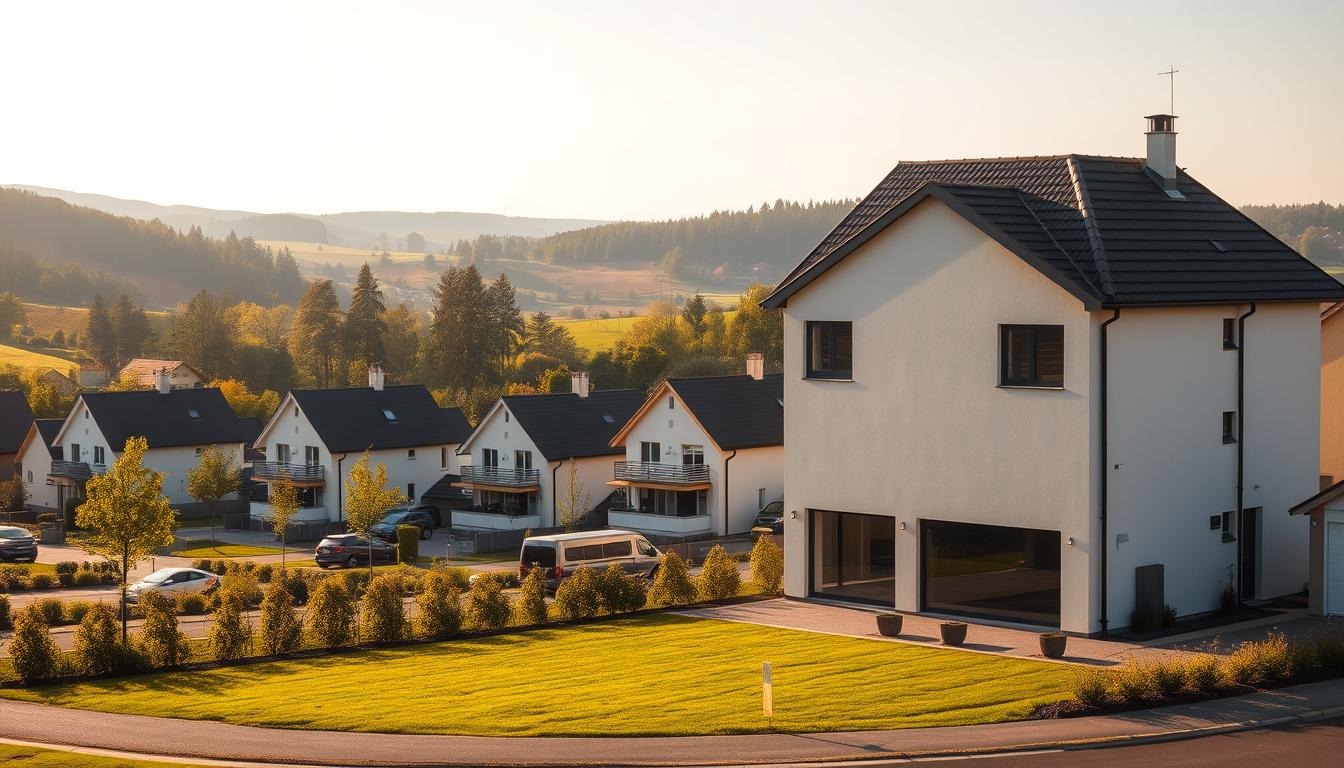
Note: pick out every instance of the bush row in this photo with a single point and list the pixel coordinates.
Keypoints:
(19, 578)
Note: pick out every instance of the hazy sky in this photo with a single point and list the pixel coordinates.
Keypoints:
(642, 110)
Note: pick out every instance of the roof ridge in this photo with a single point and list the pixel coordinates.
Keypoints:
(1085, 209)
(1022, 198)
(1018, 159)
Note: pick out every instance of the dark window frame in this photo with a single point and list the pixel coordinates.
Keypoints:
(1230, 333)
(1035, 380)
(1229, 427)
(833, 373)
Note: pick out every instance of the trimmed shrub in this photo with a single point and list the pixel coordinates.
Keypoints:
(719, 578)
(440, 614)
(65, 579)
(1201, 673)
(294, 583)
(67, 566)
(5, 622)
(162, 643)
(1090, 686)
(460, 575)
(41, 581)
(619, 592)
(1166, 678)
(243, 586)
(382, 617)
(356, 580)
(1132, 683)
(203, 564)
(408, 543)
(331, 613)
(32, 651)
(230, 633)
(672, 584)
(487, 606)
(193, 604)
(281, 630)
(98, 641)
(74, 611)
(265, 572)
(576, 596)
(530, 606)
(767, 565)
(88, 579)
(53, 610)
(1329, 648)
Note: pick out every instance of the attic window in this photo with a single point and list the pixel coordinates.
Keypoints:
(1218, 246)
(194, 414)
(390, 416)
(607, 417)
(1174, 194)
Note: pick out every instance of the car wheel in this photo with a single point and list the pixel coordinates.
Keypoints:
(352, 562)
(425, 533)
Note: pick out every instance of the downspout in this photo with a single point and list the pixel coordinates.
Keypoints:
(1241, 441)
(725, 492)
(340, 489)
(554, 522)
(1105, 467)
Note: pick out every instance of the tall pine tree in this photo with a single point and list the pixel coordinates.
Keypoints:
(365, 326)
(459, 350)
(130, 327)
(203, 336)
(315, 336)
(98, 335)
(504, 325)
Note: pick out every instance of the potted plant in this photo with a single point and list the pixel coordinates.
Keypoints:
(889, 624)
(953, 632)
(1053, 644)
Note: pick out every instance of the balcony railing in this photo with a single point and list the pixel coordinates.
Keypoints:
(656, 472)
(297, 473)
(508, 478)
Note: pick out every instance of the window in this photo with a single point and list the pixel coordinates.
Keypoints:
(390, 416)
(1031, 356)
(830, 350)
(650, 452)
(490, 457)
(30, 477)
(1229, 426)
(616, 549)
(692, 454)
(1229, 532)
(1229, 333)
(410, 454)
(282, 453)
(506, 417)
(74, 452)
(198, 453)
(194, 414)
(410, 492)
(522, 460)
(99, 455)
(760, 498)
(671, 402)
(443, 456)
(310, 455)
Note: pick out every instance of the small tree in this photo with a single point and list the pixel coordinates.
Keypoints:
(767, 565)
(576, 597)
(440, 614)
(330, 614)
(213, 478)
(284, 506)
(672, 584)
(487, 605)
(573, 505)
(367, 499)
(32, 651)
(230, 633)
(162, 643)
(620, 592)
(97, 642)
(719, 578)
(13, 497)
(281, 631)
(126, 514)
(382, 617)
(530, 607)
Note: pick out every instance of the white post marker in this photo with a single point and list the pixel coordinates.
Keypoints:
(767, 693)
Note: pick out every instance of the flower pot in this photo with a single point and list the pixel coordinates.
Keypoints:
(889, 624)
(953, 632)
(1053, 644)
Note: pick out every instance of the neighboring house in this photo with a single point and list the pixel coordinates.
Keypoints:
(62, 384)
(34, 462)
(176, 423)
(143, 371)
(317, 435)
(15, 420)
(524, 448)
(700, 446)
(1013, 383)
(92, 375)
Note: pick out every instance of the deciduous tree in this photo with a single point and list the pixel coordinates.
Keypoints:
(214, 477)
(367, 499)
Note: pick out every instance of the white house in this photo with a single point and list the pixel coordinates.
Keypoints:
(702, 455)
(518, 461)
(34, 464)
(1014, 383)
(176, 423)
(145, 370)
(317, 435)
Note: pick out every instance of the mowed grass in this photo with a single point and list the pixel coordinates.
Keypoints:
(598, 335)
(33, 757)
(27, 359)
(207, 548)
(649, 675)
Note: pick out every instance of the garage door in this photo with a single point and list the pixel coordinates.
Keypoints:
(1334, 569)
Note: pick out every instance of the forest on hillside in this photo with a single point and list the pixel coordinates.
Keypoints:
(91, 245)
(1316, 230)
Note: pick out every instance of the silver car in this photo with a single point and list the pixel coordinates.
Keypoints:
(564, 553)
(173, 582)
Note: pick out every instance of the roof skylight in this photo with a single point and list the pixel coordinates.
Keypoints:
(389, 415)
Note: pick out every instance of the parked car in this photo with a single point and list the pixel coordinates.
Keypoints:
(421, 516)
(17, 544)
(352, 550)
(770, 519)
(563, 554)
(173, 581)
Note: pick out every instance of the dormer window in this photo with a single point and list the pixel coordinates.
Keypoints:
(390, 416)
(194, 414)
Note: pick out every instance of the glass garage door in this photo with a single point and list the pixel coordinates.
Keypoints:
(854, 557)
(990, 571)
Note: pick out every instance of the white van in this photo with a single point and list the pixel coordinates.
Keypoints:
(564, 553)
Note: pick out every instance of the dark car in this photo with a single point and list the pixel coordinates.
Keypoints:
(352, 550)
(17, 544)
(770, 519)
(421, 516)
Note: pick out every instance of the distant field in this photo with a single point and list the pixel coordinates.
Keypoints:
(27, 359)
(338, 254)
(598, 335)
(46, 319)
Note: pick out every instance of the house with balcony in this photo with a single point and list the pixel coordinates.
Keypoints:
(16, 418)
(703, 455)
(33, 463)
(317, 435)
(145, 370)
(176, 423)
(1063, 391)
(518, 462)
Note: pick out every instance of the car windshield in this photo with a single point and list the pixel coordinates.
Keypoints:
(396, 517)
(13, 533)
(773, 509)
(158, 577)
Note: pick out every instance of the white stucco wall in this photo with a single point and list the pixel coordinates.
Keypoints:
(35, 462)
(751, 470)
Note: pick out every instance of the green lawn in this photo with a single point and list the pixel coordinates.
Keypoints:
(212, 549)
(32, 757)
(649, 675)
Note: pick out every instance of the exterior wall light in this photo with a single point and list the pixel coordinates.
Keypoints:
(793, 514)
(902, 525)
(1069, 541)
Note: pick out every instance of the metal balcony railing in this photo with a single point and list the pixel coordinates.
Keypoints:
(656, 472)
(508, 478)
(297, 473)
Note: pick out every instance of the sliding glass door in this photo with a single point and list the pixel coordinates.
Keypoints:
(854, 557)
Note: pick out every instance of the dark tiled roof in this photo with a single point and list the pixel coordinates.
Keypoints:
(165, 420)
(47, 430)
(1101, 226)
(443, 489)
(352, 419)
(564, 426)
(16, 418)
(738, 412)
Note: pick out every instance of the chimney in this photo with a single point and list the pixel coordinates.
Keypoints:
(1162, 148)
(578, 383)
(376, 377)
(161, 381)
(756, 365)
